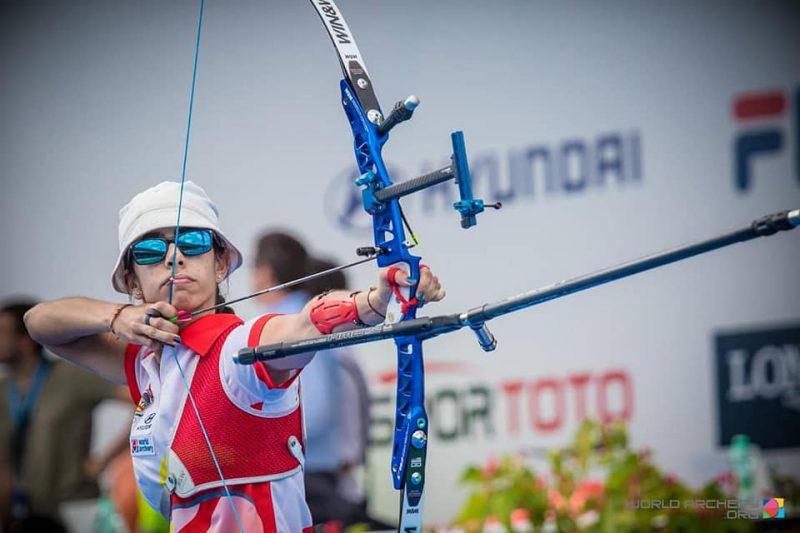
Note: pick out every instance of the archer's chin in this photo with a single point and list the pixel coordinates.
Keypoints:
(186, 300)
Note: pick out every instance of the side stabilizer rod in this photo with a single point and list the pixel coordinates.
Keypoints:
(476, 318)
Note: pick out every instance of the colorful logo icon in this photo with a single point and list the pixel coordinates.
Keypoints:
(144, 402)
(773, 508)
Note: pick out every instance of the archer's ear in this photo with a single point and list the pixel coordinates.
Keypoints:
(132, 285)
(221, 262)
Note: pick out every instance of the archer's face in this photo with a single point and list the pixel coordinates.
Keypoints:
(196, 276)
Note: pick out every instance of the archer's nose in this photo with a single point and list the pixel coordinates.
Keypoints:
(173, 254)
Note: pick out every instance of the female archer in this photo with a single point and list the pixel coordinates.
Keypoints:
(216, 446)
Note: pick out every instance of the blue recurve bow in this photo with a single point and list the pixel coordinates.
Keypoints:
(380, 198)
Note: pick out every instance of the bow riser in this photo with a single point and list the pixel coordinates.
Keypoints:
(411, 421)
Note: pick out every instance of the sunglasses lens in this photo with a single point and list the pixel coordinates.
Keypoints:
(197, 242)
(191, 243)
(149, 251)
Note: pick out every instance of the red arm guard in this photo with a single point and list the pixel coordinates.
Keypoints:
(327, 314)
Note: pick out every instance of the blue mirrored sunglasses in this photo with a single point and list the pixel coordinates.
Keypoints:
(153, 250)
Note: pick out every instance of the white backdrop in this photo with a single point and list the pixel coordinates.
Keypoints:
(93, 100)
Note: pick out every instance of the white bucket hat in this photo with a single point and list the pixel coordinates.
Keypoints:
(157, 208)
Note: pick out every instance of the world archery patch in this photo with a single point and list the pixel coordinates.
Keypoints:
(142, 446)
(144, 402)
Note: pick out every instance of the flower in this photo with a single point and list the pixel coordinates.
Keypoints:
(556, 500)
(587, 519)
(646, 454)
(585, 491)
(491, 467)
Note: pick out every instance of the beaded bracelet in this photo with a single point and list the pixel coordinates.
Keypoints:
(115, 316)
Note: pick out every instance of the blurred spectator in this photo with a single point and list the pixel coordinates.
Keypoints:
(333, 389)
(353, 419)
(45, 429)
(335, 281)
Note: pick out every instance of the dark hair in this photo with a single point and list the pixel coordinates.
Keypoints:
(283, 253)
(220, 249)
(335, 281)
(17, 309)
(220, 300)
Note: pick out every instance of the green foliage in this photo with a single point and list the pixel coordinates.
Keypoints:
(597, 483)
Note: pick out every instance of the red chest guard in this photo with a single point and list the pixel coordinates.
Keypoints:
(249, 448)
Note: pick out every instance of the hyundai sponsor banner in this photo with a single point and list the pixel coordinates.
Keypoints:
(607, 162)
(758, 386)
(608, 130)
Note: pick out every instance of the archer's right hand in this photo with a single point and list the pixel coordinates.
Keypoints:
(145, 324)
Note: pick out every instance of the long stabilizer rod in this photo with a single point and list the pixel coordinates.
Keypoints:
(476, 318)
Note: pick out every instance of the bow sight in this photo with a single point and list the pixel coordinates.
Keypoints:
(375, 197)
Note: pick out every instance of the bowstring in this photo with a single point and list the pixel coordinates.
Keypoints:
(174, 266)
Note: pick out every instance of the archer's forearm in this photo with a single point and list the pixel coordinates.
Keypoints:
(68, 319)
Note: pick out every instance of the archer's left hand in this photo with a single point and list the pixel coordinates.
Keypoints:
(428, 290)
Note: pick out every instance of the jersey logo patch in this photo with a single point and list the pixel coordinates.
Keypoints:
(142, 446)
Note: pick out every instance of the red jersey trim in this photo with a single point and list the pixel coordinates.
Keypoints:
(258, 327)
(253, 340)
(201, 334)
(207, 502)
(131, 350)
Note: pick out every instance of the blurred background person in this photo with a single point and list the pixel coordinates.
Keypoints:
(353, 404)
(333, 388)
(45, 429)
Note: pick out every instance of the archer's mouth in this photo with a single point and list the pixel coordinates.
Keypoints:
(179, 280)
